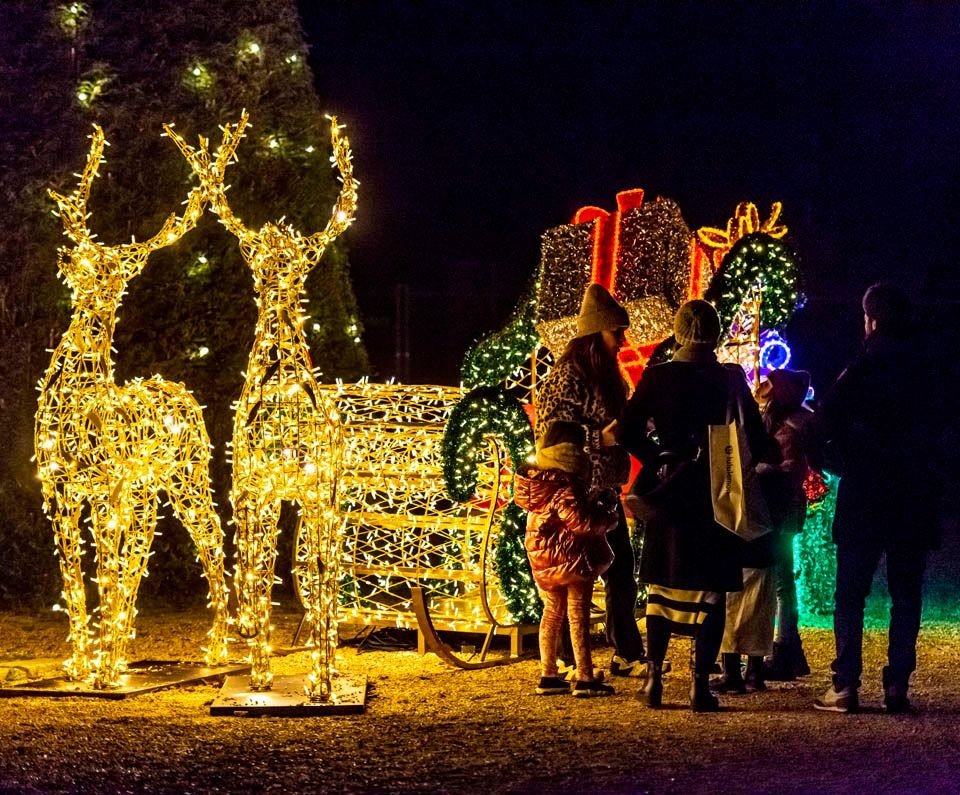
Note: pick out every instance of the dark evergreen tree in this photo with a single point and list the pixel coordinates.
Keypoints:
(190, 315)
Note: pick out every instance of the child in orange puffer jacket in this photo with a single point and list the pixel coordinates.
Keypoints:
(566, 542)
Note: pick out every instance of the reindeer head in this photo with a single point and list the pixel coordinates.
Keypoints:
(97, 272)
(278, 254)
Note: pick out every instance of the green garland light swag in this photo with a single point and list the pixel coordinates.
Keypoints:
(757, 259)
(498, 355)
(816, 556)
(485, 411)
(513, 568)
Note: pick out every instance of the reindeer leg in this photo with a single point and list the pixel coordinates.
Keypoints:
(108, 517)
(308, 579)
(317, 580)
(256, 542)
(66, 522)
(332, 538)
(192, 500)
(137, 539)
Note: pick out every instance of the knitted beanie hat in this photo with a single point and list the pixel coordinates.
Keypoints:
(599, 312)
(697, 325)
(789, 387)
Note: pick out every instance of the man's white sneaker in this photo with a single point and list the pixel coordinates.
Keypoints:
(843, 700)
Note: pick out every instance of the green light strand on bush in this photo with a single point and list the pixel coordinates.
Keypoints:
(500, 354)
(757, 259)
(513, 568)
(197, 77)
(815, 556)
(483, 412)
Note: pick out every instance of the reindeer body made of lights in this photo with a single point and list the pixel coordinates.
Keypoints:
(287, 440)
(116, 447)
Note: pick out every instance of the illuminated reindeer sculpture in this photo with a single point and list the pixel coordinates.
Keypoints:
(116, 447)
(286, 435)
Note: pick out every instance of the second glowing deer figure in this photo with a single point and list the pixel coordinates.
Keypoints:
(286, 436)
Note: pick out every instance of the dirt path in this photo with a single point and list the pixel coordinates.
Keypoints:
(429, 728)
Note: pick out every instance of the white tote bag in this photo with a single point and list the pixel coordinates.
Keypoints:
(738, 503)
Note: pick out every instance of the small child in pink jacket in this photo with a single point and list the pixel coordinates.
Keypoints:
(566, 543)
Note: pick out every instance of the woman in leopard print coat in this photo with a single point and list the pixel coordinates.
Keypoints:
(585, 387)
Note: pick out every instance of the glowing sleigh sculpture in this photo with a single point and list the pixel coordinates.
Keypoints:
(111, 449)
(415, 557)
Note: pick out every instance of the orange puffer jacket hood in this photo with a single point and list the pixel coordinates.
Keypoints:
(566, 539)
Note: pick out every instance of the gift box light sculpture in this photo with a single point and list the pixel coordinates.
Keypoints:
(114, 448)
(741, 344)
(287, 442)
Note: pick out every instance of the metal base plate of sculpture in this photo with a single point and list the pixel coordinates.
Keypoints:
(144, 676)
(286, 698)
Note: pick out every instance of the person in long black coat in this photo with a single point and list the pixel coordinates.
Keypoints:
(688, 559)
(883, 445)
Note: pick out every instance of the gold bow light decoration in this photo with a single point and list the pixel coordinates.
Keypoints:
(116, 447)
(287, 441)
(745, 221)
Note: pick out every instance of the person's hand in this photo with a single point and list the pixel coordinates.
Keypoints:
(608, 436)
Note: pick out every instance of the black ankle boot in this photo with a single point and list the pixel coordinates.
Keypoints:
(800, 665)
(781, 665)
(732, 679)
(754, 679)
(701, 699)
(895, 699)
(652, 693)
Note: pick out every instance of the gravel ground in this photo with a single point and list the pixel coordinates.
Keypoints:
(430, 728)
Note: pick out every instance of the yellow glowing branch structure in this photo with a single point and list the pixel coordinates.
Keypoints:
(115, 447)
(401, 527)
(745, 221)
(742, 344)
(523, 382)
(286, 435)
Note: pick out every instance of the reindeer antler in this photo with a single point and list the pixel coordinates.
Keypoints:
(346, 203)
(73, 209)
(211, 171)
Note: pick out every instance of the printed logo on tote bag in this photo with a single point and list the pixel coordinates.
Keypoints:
(738, 504)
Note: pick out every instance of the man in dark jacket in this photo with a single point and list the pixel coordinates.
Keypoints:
(887, 503)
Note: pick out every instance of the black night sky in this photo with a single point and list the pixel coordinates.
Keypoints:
(477, 126)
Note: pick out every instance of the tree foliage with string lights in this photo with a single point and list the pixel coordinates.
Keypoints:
(190, 316)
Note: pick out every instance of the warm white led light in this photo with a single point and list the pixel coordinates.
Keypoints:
(114, 448)
(287, 442)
